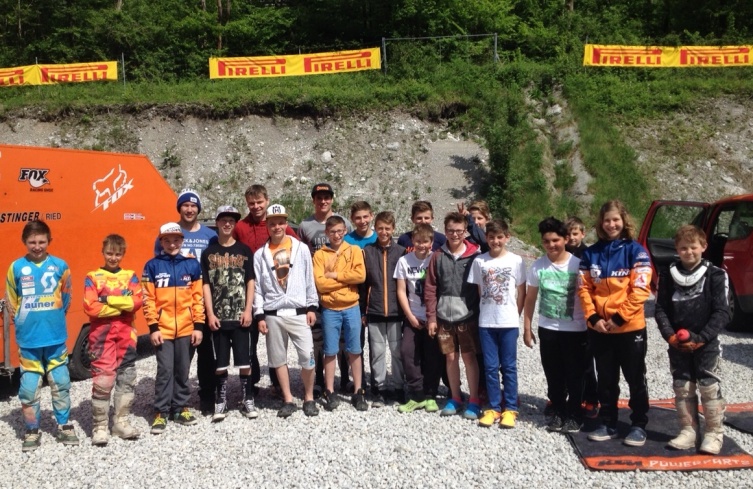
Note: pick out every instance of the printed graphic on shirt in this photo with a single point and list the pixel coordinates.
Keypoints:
(557, 294)
(226, 272)
(496, 289)
(419, 272)
(281, 260)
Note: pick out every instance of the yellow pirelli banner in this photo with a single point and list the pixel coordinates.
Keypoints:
(295, 65)
(667, 57)
(52, 74)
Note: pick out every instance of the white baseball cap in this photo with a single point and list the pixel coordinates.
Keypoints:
(277, 210)
(170, 228)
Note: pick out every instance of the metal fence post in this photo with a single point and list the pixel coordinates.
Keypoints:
(496, 55)
(384, 55)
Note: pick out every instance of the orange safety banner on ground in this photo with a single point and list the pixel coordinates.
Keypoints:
(667, 57)
(295, 65)
(62, 73)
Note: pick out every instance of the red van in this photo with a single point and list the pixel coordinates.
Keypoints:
(728, 224)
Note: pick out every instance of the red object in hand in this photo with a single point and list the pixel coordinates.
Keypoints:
(683, 335)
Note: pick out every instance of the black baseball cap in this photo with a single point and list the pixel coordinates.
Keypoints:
(322, 187)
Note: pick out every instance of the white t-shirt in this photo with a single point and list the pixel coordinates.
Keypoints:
(498, 279)
(413, 271)
(559, 307)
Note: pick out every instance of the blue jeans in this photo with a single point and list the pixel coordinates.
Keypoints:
(349, 322)
(500, 348)
(36, 362)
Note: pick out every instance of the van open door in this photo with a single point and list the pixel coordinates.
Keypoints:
(662, 221)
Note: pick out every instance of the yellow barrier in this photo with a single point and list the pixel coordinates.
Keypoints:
(666, 57)
(62, 73)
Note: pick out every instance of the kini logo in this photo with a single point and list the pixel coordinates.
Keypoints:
(622, 272)
(111, 188)
(36, 177)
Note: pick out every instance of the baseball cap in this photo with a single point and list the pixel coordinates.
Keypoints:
(277, 210)
(322, 187)
(170, 228)
(227, 210)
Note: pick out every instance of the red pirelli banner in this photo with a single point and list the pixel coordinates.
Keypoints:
(52, 74)
(667, 57)
(295, 65)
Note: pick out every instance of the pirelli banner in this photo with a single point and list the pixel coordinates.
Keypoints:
(295, 65)
(52, 74)
(667, 57)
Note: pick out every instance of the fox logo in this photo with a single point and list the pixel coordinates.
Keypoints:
(35, 176)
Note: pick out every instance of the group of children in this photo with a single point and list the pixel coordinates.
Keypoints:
(432, 299)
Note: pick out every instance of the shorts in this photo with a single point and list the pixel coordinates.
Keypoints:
(460, 336)
(239, 340)
(349, 322)
(282, 328)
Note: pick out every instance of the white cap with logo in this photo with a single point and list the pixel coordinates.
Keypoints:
(170, 228)
(276, 210)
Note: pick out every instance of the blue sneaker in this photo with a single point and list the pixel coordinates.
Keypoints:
(451, 408)
(603, 433)
(472, 411)
(636, 437)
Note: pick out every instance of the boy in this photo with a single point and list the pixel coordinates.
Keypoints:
(500, 277)
(421, 212)
(111, 297)
(380, 307)
(38, 289)
(576, 231)
(692, 296)
(477, 215)
(338, 269)
(562, 328)
(452, 312)
(418, 350)
(361, 215)
(174, 311)
(285, 305)
(228, 277)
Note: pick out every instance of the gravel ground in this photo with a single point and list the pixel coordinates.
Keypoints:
(377, 448)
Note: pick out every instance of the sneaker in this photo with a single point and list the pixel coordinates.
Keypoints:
(451, 408)
(636, 437)
(571, 425)
(185, 417)
(359, 400)
(590, 409)
(411, 406)
(556, 422)
(310, 409)
(603, 433)
(66, 435)
(287, 410)
(377, 400)
(220, 411)
(549, 409)
(207, 407)
(159, 424)
(508, 419)
(331, 401)
(248, 408)
(32, 440)
(472, 411)
(431, 406)
(490, 418)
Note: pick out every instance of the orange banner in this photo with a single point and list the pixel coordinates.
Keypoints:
(53, 74)
(295, 65)
(667, 57)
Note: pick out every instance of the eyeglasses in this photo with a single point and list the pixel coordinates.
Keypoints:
(336, 233)
(456, 232)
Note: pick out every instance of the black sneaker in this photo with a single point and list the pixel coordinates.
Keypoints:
(310, 409)
(331, 401)
(556, 422)
(377, 400)
(185, 417)
(359, 400)
(287, 410)
(571, 425)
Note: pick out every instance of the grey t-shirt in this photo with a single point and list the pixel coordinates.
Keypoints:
(312, 232)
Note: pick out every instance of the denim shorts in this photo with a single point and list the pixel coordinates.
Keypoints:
(349, 322)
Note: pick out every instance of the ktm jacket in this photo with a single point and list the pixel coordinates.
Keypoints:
(173, 296)
(614, 283)
(347, 261)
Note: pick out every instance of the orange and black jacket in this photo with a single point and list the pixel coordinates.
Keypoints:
(379, 291)
(173, 296)
(614, 283)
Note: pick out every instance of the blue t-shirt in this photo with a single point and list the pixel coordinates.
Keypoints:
(40, 293)
(357, 240)
(194, 242)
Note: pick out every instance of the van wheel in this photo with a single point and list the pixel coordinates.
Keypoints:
(740, 321)
(79, 364)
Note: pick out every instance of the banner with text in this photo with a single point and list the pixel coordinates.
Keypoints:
(295, 65)
(65, 73)
(667, 57)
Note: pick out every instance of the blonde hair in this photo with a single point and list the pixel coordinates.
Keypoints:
(628, 227)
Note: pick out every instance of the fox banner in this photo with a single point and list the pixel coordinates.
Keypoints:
(295, 65)
(59, 73)
(667, 57)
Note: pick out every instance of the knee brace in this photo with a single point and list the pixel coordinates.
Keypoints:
(710, 392)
